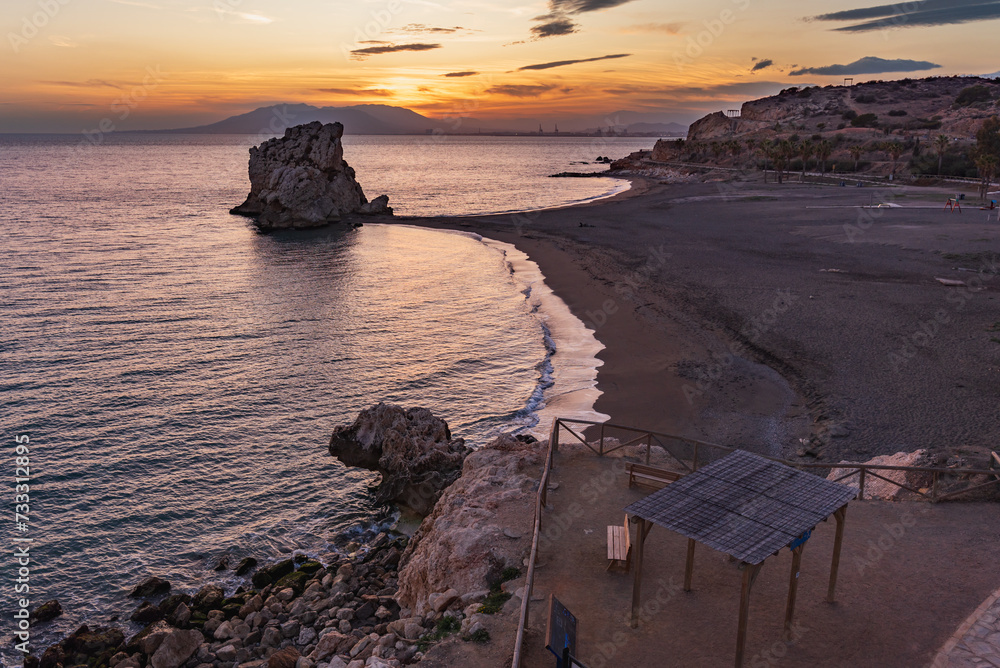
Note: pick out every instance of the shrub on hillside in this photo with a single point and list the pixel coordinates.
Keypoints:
(865, 121)
(973, 94)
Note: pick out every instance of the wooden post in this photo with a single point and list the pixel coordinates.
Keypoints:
(861, 484)
(602, 439)
(554, 438)
(793, 586)
(649, 447)
(637, 546)
(689, 568)
(750, 572)
(840, 516)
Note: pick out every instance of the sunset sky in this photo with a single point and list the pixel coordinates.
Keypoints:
(68, 64)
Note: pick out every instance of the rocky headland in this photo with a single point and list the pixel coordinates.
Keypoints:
(924, 127)
(395, 602)
(302, 180)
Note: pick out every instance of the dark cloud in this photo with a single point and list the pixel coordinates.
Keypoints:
(460, 74)
(915, 14)
(520, 90)
(558, 21)
(553, 26)
(869, 65)
(583, 6)
(762, 65)
(563, 63)
(392, 48)
(363, 92)
(668, 28)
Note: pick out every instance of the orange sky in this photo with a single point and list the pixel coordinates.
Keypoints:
(67, 64)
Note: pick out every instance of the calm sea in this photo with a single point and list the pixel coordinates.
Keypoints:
(179, 374)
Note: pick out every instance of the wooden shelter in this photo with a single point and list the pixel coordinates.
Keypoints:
(748, 507)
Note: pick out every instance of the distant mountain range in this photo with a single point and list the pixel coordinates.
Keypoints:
(380, 119)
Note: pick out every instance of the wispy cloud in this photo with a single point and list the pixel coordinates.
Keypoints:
(762, 65)
(242, 17)
(89, 83)
(358, 92)
(869, 65)
(136, 3)
(361, 54)
(64, 42)
(919, 13)
(667, 28)
(460, 74)
(520, 90)
(424, 29)
(563, 63)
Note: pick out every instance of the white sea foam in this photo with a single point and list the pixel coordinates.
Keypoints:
(569, 385)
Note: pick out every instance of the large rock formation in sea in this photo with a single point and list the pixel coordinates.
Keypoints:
(302, 180)
(412, 449)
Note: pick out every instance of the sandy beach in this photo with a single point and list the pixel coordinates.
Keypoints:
(793, 320)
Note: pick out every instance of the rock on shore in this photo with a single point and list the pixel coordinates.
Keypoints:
(412, 449)
(302, 180)
(466, 543)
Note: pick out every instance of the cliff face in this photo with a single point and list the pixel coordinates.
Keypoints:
(481, 525)
(908, 105)
(302, 180)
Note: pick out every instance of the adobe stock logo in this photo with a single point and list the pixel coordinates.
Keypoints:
(714, 28)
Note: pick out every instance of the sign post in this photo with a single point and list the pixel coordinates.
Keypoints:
(560, 636)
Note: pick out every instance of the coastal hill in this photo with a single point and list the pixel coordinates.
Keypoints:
(382, 119)
(908, 116)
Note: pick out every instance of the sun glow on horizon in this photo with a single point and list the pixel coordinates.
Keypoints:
(449, 58)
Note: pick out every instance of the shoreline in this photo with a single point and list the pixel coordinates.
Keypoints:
(734, 329)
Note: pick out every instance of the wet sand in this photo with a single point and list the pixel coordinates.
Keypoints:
(783, 319)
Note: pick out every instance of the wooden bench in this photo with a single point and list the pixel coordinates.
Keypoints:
(651, 476)
(619, 547)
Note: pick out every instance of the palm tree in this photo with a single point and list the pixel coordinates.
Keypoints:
(806, 150)
(751, 145)
(856, 152)
(987, 166)
(894, 149)
(941, 144)
(823, 151)
(717, 150)
(735, 148)
(781, 152)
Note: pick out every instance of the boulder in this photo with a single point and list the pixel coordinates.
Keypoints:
(150, 587)
(47, 611)
(377, 207)
(458, 546)
(301, 180)
(245, 566)
(209, 597)
(177, 647)
(412, 449)
(285, 658)
(84, 646)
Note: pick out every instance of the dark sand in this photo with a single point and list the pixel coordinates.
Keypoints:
(722, 319)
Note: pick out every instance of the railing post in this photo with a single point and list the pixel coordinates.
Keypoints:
(602, 439)
(861, 483)
(649, 446)
(554, 438)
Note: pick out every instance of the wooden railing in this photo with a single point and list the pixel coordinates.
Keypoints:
(698, 453)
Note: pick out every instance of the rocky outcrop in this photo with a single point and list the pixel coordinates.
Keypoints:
(481, 525)
(412, 449)
(302, 180)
